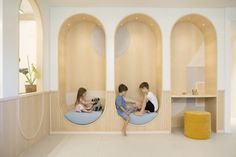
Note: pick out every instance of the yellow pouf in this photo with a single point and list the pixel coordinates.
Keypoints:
(197, 125)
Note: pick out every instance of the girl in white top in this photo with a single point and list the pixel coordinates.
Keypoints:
(150, 103)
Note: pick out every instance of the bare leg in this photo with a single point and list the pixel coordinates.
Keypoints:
(125, 127)
(142, 111)
(138, 105)
(143, 106)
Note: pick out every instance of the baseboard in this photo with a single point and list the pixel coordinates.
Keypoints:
(106, 132)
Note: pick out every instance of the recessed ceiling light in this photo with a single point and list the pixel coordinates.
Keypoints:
(21, 12)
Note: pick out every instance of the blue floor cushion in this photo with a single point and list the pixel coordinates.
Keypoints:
(82, 118)
(139, 120)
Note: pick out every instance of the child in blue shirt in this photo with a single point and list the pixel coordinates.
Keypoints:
(122, 107)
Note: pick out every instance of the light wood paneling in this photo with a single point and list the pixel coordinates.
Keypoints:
(211, 106)
(216, 107)
(187, 36)
(13, 142)
(220, 111)
(83, 66)
(186, 40)
(59, 123)
(193, 96)
(142, 61)
(211, 62)
(9, 127)
(79, 63)
(110, 120)
(144, 53)
(194, 63)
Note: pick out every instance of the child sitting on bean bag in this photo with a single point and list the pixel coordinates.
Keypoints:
(150, 103)
(123, 109)
(81, 104)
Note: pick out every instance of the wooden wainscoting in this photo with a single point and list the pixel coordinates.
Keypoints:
(60, 124)
(220, 111)
(24, 120)
(110, 121)
(216, 107)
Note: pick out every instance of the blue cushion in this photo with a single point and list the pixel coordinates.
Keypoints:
(82, 118)
(139, 120)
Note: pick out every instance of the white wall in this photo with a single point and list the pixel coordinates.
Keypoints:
(10, 48)
(110, 22)
(45, 14)
(10, 56)
(1, 14)
(233, 71)
(230, 15)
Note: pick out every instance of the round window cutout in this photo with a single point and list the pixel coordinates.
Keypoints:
(122, 41)
(138, 60)
(98, 40)
(82, 69)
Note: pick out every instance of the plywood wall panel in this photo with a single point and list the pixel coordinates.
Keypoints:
(141, 62)
(211, 106)
(193, 40)
(220, 111)
(186, 42)
(30, 108)
(84, 67)
(110, 120)
(9, 128)
(59, 123)
(211, 62)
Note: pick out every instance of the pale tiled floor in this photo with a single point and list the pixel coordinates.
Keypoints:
(162, 145)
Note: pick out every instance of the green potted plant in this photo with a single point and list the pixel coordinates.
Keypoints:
(31, 74)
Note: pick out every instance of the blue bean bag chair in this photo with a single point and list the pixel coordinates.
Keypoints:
(82, 118)
(139, 120)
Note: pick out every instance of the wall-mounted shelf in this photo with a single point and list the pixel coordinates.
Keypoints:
(193, 96)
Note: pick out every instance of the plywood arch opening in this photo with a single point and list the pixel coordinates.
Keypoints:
(138, 55)
(193, 68)
(81, 59)
(193, 55)
(30, 42)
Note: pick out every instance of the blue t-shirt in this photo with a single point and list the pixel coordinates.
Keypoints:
(120, 101)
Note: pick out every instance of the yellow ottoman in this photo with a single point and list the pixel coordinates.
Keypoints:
(197, 125)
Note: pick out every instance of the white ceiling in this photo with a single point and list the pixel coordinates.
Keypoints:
(146, 3)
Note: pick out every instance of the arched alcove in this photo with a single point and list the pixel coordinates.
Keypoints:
(138, 55)
(30, 108)
(81, 62)
(30, 44)
(193, 66)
